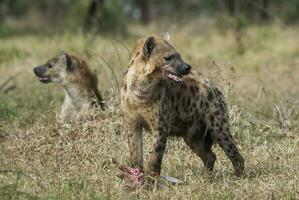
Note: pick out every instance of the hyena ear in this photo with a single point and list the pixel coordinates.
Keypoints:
(165, 36)
(68, 62)
(149, 46)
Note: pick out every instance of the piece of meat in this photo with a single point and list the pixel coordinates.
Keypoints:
(133, 177)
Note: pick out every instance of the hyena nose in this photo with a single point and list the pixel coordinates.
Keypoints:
(38, 71)
(186, 69)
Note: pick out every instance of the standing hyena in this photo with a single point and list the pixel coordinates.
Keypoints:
(160, 91)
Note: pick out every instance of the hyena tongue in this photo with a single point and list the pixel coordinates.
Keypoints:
(43, 79)
(173, 77)
(178, 79)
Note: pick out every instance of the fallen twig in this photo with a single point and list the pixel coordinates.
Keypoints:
(4, 86)
(10, 88)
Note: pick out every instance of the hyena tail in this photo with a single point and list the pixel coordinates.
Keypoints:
(229, 147)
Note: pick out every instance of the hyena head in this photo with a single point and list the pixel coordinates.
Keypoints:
(155, 57)
(55, 69)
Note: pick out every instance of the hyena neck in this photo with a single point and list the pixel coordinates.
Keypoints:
(76, 94)
(142, 88)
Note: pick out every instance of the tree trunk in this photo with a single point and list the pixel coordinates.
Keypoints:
(264, 12)
(93, 13)
(238, 27)
(143, 5)
(230, 6)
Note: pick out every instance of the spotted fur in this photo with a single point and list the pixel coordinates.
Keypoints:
(78, 82)
(193, 108)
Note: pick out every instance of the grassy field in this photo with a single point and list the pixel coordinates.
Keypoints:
(43, 159)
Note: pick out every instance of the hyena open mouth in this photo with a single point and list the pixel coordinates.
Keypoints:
(45, 79)
(173, 76)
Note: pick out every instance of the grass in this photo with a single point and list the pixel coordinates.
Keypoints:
(43, 159)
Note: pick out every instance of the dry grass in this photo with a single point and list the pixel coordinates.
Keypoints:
(41, 158)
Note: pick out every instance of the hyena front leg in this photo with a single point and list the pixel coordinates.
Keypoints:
(158, 149)
(132, 127)
(66, 109)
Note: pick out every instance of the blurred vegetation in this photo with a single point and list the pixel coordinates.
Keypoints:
(43, 159)
(112, 16)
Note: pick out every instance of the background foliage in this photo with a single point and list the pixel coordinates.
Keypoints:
(249, 48)
(113, 15)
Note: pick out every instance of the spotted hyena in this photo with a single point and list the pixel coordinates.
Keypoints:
(78, 82)
(162, 92)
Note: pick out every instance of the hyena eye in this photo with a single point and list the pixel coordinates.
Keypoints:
(169, 57)
(50, 65)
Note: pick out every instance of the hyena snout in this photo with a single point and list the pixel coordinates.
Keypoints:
(39, 71)
(184, 69)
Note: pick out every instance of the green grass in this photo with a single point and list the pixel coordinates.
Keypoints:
(43, 159)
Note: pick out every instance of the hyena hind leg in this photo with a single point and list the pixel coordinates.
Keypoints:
(226, 142)
(202, 148)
